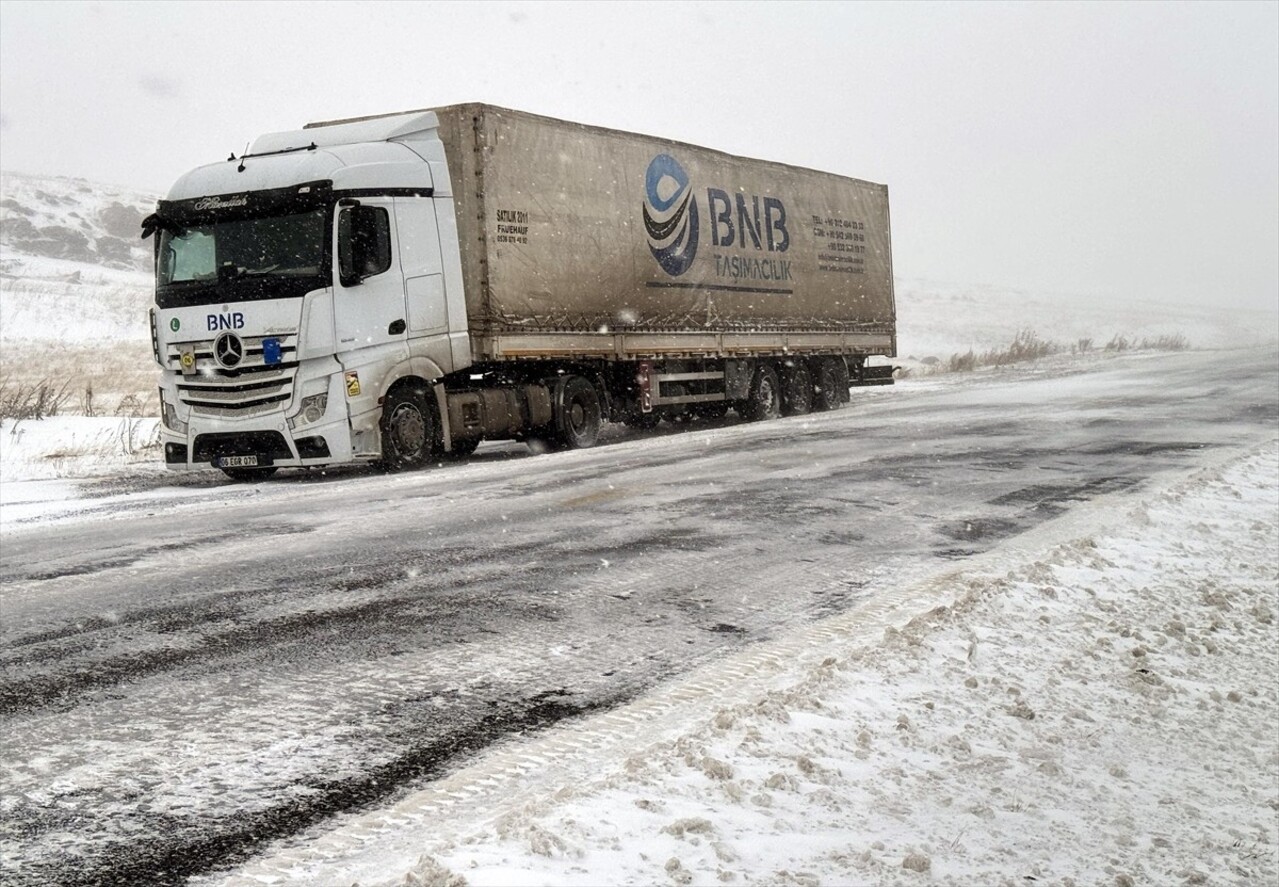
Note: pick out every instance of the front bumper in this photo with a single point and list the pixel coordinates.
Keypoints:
(272, 444)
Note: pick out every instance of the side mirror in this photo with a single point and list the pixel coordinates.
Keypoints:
(150, 224)
(364, 241)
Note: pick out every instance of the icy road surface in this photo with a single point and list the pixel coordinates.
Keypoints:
(193, 669)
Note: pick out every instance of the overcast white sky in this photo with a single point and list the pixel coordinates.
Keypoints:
(1119, 149)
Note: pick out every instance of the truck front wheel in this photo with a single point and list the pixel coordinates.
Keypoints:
(409, 430)
(577, 414)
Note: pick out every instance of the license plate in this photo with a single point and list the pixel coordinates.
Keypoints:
(238, 462)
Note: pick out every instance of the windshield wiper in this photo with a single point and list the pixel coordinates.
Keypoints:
(259, 272)
(239, 272)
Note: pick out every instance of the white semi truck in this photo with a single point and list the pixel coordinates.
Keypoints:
(396, 288)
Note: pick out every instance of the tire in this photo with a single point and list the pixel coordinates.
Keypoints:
(830, 383)
(797, 389)
(842, 382)
(578, 414)
(765, 399)
(248, 475)
(410, 430)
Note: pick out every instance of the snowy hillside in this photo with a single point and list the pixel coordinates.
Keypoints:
(73, 268)
(72, 219)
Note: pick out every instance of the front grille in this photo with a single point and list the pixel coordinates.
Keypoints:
(250, 388)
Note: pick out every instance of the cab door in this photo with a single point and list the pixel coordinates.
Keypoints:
(420, 259)
(369, 310)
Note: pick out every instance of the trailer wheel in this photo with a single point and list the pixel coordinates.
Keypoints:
(797, 389)
(248, 475)
(831, 384)
(409, 430)
(844, 382)
(764, 400)
(577, 414)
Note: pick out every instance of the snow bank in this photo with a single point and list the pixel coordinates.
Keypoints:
(1074, 708)
(1103, 713)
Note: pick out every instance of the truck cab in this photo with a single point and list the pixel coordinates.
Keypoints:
(297, 288)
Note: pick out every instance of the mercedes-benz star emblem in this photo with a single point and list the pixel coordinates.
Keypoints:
(228, 350)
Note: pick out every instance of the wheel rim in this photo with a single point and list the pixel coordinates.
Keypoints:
(577, 417)
(408, 429)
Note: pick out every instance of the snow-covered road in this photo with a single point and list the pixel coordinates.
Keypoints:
(1092, 702)
(191, 669)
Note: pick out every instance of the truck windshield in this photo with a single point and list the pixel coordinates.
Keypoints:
(224, 251)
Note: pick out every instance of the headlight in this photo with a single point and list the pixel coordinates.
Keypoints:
(169, 416)
(312, 410)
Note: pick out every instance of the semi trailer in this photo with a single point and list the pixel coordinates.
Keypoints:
(395, 289)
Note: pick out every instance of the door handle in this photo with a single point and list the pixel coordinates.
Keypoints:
(396, 327)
